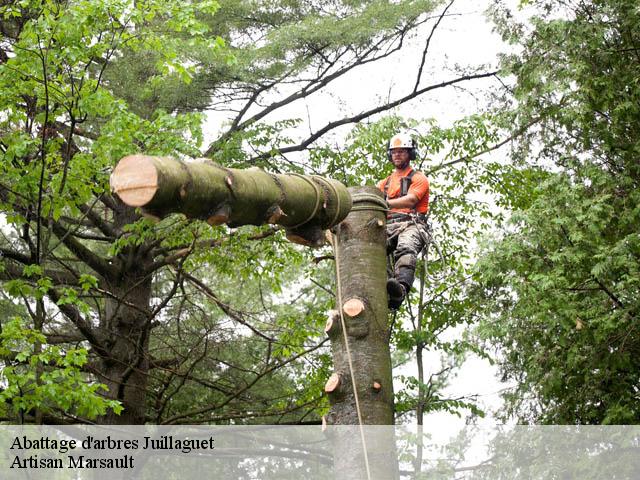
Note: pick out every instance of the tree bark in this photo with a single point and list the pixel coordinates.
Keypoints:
(125, 328)
(360, 251)
(305, 205)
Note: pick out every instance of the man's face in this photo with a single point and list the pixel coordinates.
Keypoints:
(400, 157)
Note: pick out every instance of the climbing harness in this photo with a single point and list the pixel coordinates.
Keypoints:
(405, 183)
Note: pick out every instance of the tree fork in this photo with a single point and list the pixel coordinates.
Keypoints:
(305, 205)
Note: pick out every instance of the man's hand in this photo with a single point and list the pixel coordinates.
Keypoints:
(407, 201)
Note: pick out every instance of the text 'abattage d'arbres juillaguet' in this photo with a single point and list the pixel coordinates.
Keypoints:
(48, 447)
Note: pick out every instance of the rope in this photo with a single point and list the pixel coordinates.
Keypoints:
(346, 343)
(315, 209)
(380, 204)
(369, 197)
(337, 196)
(369, 209)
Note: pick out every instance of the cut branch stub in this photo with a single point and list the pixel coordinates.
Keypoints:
(274, 214)
(333, 322)
(304, 205)
(353, 307)
(333, 383)
(220, 216)
(328, 237)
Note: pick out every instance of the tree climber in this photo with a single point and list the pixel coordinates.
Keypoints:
(407, 193)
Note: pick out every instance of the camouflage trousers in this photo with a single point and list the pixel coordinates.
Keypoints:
(405, 240)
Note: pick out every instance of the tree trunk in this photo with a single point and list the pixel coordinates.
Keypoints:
(360, 246)
(125, 371)
(126, 325)
(305, 205)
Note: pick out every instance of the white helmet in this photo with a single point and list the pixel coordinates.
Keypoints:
(402, 140)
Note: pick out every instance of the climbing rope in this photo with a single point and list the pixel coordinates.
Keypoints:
(346, 343)
(317, 206)
(380, 204)
(335, 194)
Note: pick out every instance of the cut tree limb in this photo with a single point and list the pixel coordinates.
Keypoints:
(305, 205)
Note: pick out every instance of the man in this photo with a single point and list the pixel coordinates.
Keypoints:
(407, 193)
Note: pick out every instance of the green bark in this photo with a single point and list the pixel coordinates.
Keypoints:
(360, 246)
(305, 205)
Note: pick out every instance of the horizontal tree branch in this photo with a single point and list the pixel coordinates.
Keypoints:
(368, 113)
(93, 260)
(14, 255)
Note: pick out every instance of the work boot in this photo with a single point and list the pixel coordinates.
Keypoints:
(396, 293)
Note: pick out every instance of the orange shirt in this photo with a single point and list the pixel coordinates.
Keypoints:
(419, 187)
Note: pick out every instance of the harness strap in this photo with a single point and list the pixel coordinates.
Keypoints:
(405, 183)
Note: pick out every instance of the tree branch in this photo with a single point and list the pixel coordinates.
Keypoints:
(97, 263)
(357, 118)
(224, 307)
(84, 326)
(428, 43)
(173, 420)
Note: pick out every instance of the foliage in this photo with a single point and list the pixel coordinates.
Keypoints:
(560, 283)
(46, 377)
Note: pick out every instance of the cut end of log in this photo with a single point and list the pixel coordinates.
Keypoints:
(376, 386)
(380, 223)
(328, 326)
(333, 383)
(135, 180)
(353, 307)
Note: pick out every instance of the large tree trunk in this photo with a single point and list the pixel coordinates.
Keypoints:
(305, 205)
(125, 327)
(125, 371)
(361, 357)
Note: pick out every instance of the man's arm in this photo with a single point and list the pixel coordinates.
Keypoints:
(409, 200)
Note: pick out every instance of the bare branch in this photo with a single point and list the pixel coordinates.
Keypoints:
(368, 113)
(428, 43)
(173, 420)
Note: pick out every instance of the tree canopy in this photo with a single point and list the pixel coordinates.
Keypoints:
(560, 282)
(113, 317)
